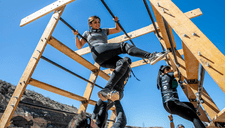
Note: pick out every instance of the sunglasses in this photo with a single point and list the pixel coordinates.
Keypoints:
(95, 22)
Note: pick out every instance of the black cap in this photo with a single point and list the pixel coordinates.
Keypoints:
(163, 67)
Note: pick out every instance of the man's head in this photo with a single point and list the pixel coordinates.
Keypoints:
(82, 120)
(180, 126)
(165, 69)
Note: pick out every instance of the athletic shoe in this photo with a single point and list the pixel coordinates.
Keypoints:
(157, 56)
(114, 95)
(104, 93)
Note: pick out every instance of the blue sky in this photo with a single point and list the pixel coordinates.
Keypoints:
(142, 101)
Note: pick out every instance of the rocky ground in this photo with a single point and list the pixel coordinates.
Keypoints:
(27, 115)
(33, 110)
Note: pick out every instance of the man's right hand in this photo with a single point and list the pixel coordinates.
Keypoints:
(170, 117)
(75, 32)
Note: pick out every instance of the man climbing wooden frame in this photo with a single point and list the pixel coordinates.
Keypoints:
(212, 67)
(196, 42)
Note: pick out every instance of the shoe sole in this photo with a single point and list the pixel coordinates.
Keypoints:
(108, 96)
(102, 96)
(159, 58)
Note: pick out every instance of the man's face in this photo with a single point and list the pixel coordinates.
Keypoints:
(181, 127)
(93, 125)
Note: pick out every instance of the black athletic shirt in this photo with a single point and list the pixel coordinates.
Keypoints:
(96, 36)
(168, 93)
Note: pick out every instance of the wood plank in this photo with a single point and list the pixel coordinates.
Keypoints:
(192, 70)
(56, 90)
(61, 92)
(44, 11)
(162, 27)
(138, 32)
(112, 117)
(210, 54)
(70, 53)
(208, 104)
(89, 89)
(192, 64)
(24, 80)
(220, 117)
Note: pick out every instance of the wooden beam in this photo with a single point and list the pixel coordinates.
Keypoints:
(44, 11)
(89, 89)
(162, 28)
(70, 53)
(192, 64)
(24, 80)
(56, 90)
(192, 70)
(208, 104)
(112, 117)
(184, 27)
(220, 117)
(61, 92)
(139, 32)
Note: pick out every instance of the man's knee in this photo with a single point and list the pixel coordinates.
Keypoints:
(125, 47)
(126, 61)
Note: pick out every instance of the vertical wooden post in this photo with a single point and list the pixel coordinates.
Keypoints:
(89, 88)
(192, 70)
(12, 105)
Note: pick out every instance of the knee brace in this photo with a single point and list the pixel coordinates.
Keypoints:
(125, 47)
(125, 62)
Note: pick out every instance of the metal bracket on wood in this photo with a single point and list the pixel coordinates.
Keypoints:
(84, 102)
(95, 71)
(192, 100)
(220, 124)
(192, 81)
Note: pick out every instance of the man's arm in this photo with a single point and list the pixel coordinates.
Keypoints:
(171, 121)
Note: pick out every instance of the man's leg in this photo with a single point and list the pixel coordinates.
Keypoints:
(184, 110)
(122, 66)
(121, 117)
(103, 52)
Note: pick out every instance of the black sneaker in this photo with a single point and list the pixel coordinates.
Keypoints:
(157, 56)
(104, 94)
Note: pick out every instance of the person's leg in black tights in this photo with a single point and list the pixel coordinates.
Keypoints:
(184, 110)
(97, 113)
(107, 51)
(121, 66)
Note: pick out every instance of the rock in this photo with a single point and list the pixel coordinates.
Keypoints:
(26, 116)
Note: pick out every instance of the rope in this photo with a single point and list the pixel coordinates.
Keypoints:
(67, 70)
(73, 29)
(150, 15)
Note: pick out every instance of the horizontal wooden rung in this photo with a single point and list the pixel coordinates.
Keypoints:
(44, 11)
(70, 53)
(56, 90)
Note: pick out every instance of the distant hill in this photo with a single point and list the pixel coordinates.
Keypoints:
(37, 111)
